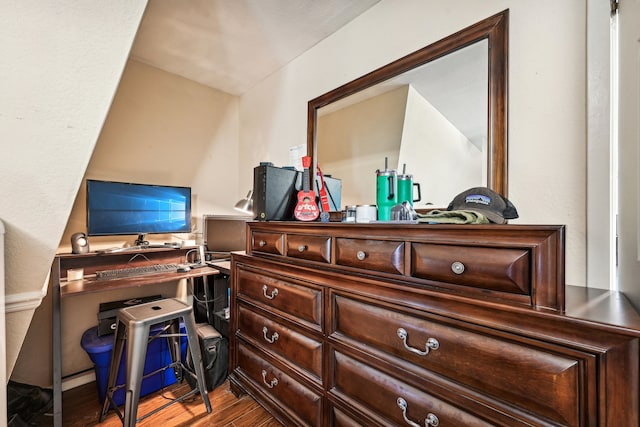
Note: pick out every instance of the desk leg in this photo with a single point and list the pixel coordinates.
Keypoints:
(57, 357)
(205, 284)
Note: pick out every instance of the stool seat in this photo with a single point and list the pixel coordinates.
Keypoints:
(133, 325)
(154, 312)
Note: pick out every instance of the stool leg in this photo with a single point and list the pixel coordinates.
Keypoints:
(137, 340)
(174, 347)
(194, 348)
(116, 356)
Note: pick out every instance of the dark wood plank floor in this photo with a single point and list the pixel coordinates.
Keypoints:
(81, 407)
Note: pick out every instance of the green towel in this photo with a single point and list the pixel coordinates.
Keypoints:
(453, 217)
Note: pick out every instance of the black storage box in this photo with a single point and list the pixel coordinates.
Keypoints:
(205, 304)
(275, 192)
(108, 310)
(221, 323)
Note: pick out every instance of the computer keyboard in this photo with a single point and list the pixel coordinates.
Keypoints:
(136, 271)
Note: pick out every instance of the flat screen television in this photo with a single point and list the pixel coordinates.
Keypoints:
(224, 234)
(123, 208)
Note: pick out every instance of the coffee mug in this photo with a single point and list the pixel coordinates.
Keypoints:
(406, 188)
(366, 213)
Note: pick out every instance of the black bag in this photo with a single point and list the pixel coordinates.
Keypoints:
(215, 357)
(25, 403)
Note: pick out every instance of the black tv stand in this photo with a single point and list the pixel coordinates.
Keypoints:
(140, 241)
(161, 245)
(140, 248)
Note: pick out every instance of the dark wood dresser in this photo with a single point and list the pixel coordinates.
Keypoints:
(427, 325)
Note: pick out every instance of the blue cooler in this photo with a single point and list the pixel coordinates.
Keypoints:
(99, 350)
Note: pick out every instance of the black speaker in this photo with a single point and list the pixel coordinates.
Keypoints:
(79, 243)
(275, 192)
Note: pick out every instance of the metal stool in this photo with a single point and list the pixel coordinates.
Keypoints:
(133, 325)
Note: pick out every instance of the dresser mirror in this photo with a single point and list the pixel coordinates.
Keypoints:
(438, 114)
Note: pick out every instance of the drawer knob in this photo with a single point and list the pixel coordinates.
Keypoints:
(457, 267)
(431, 419)
(262, 243)
(270, 384)
(361, 255)
(274, 336)
(302, 248)
(274, 292)
(431, 344)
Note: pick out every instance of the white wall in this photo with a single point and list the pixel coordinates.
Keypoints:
(601, 251)
(61, 62)
(547, 97)
(164, 129)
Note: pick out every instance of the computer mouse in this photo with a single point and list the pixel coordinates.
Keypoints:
(183, 268)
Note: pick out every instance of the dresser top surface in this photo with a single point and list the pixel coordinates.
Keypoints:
(602, 306)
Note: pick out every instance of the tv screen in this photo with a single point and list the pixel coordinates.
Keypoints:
(126, 208)
(225, 233)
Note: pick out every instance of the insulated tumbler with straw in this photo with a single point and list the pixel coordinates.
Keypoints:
(405, 187)
(386, 191)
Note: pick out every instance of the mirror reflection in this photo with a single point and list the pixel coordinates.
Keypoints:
(438, 114)
(430, 122)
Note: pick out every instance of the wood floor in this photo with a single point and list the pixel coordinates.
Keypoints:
(81, 407)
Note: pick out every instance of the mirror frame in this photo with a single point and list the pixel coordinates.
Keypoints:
(496, 30)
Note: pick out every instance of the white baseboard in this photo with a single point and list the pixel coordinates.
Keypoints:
(78, 380)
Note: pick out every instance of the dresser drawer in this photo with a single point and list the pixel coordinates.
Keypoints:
(265, 242)
(289, 298)
(378, 255)
(312, 248)
(498, 366)
(497, 269)
(300, 402)
(340, 419)
(391, 401)
(277, 338)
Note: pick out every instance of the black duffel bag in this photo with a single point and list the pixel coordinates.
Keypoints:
(215, 357)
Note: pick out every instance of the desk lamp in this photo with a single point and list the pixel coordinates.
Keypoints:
(246, 205)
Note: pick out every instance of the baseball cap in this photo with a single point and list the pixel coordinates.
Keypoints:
(485, 201)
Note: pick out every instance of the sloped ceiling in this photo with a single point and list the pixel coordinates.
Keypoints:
(231, 45)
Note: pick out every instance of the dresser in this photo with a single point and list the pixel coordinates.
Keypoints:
(427, 325)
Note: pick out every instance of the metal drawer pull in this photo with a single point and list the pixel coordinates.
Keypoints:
(302, 248)
(431, 419)
(274, 336)
(457, 267)
(272, 384)
(361, 255)
(431, 344)
(262, 243)
(273, 293)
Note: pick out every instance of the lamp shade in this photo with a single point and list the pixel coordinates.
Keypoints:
(245, 205)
